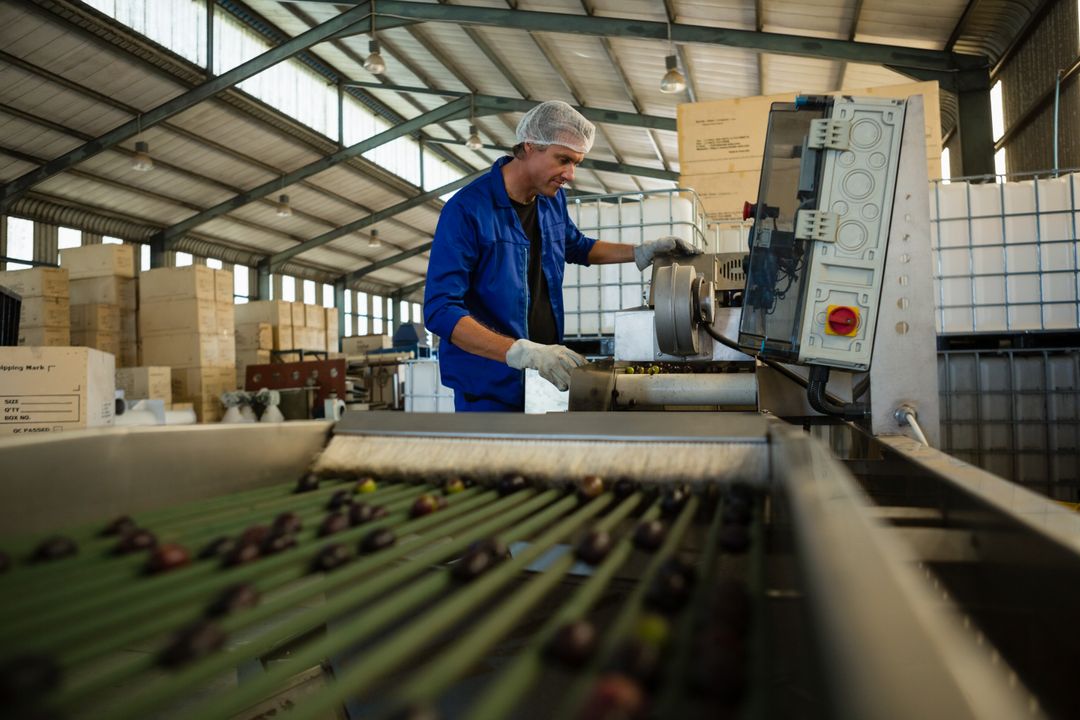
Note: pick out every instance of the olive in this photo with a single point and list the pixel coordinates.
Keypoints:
(168, 556)
(307, 483)
(424, 505)
(54, 548)
(338, 500)
(331, 558)
(480, 557)
(671, 587)
(218, 546)
(734, 538)
(366, 485)
(26, 679)
(191, 643)
(241, 554)
(649, 535)
(361, 513)
(333, 523)
(624, 488)
(120, 526)
(614, 696)
(277, 541)
(573, 643)
(135, 541)
(288, 522)
(673, 500)
(735, 512)
(233, 599)
(511, 484)
(594, 547)
(591, 486)
(377, 540)
(453, 486)
(653, 629)
(254, 534)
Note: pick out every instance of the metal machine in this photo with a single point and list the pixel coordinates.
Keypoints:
(794, 555)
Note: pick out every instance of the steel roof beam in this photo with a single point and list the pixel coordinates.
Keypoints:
(407, 290)
(592, 164)
(449, 111)
(277, 259)
(184, 101)
(907, 58)
(355, 275)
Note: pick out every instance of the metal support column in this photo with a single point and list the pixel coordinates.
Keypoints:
(210, 37)
(339, 303)
(975, 128)
(262, 286)
(157, 254)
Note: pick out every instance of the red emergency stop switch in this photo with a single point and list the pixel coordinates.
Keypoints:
(749, 209)
(841, 320)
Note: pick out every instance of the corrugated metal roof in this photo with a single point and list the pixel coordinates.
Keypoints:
(79, 86)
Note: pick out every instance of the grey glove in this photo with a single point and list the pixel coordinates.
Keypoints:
(646, 251)
(554, 362)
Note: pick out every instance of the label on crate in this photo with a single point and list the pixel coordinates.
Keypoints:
(39, 409)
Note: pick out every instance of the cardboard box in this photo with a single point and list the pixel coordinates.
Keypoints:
(208, 410)
(181, 350)
(55, 389)
(254, 336)
(129, 326)
(36, 282)
(332, 340)
(275, 312)
(226, 356)
(207, 382)
(252, 357)
(225, 319)
(103, 341)
(103, 318)
(104, 291)
(179, 315)
(223, 287)
(331, 319)
(45, 311)
(283, 337)
(129, 354)
(315, 316)
(299, 315)
(194, 281)
(44, 337)
(91, 261)
(363, 344)
(306, 338)
(140, 383)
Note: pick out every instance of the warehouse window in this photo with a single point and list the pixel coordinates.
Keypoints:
(179, 25)
(376, 315)
(288, 288)
(20, 242)
(214, 263)
(328, 295)
(241, 284)
(350, 319)
(997, 111)
(999, 165)
(946, 166)
(309, 292)
(417, 315)
(144, 257)
(404, 311)
(183, 259)
(363, 314)
(437, 172)
(67, 238)
(110, 240)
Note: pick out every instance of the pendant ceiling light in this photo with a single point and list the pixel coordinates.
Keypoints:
(374, 62)
(284, 209)
(373, 239)
(673, 81)
(141, 160)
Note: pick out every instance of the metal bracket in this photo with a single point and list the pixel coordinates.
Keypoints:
(815, 225)
(829, 133)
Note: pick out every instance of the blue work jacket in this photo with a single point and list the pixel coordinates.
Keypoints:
(479, 266)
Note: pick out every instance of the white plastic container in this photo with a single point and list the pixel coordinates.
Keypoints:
(424, 391)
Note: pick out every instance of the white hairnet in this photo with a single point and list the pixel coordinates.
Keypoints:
(556, 123)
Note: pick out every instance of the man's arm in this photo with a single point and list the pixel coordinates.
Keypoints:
(604, 253)
(471, 336)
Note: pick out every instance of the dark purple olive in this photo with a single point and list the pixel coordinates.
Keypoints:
(307, 483)
(423, 505)
(594, 547)
(614, 696)
(333, 523)
(54, 548)
(649, 535)
(166, 557)
(361, 513)
(217, 547)
(573, 643)
(136, 541)
(193, 642)
(27, 679)
(287, 522)
(339, 500)
(276, 542)
(591, 486)
(241, 554)
(734, 538)
(480, 557)
(331, 558)
(671, 587)
(511, 484)
(120, 526)
(416, 712)
(254, 534)
(735, 512)
(242, 596)
(673, 500)
(5, 562)
(377, 540)
(624, 488)
(637, 660)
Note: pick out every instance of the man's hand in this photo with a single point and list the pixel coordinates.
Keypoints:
(554, 362)
(646, 251)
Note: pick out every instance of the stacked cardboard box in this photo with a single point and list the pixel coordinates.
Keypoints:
(331, 329)
(103, 304)
(254, 341)
(142, 383)
(43, 318)
(275, 313)
(186, 322)
(53, 389)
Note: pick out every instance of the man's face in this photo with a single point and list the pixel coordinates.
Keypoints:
(551, 168)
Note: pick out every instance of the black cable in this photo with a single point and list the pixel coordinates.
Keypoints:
(815, 393)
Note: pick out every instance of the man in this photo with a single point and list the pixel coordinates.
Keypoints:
(494, 282)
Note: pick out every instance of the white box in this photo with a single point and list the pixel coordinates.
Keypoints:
(53, 389)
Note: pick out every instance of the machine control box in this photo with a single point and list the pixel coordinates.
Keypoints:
(821, 227)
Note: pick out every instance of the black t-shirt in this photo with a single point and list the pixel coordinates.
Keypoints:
(541, 318)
